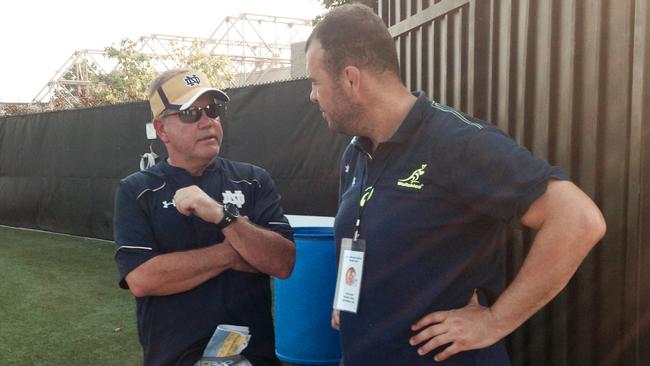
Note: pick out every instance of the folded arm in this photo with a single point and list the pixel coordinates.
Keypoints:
(176, 272)
(265, 250)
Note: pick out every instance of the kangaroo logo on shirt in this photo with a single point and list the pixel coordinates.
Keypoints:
(413, 180)
(237, 198)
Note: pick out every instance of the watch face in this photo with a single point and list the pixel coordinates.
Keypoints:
(230, 214)
(231, 209)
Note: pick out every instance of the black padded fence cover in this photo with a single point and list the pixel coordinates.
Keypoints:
(59, 170)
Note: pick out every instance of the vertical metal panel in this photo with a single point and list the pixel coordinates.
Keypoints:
(615, 83)
(438, 57)
(420, 33)
(569, 79)
(490, 59)
(518, 342)
(400, 55)
(382, 10)
(431, 71)
(562, 71)
(565, 70)
(471, 54)
(638, 323)
(503, 74)
(464, 57)
(460, 51)
(541, 51)
(478, 48)
(523, 16)
(457, 59)
(407, 60)
(586, 116)
(444, 58)
(502, 51)
(398, 11)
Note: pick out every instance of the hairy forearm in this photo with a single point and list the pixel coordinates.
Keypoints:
(177, 272)
(545, 272)
(267, 251)
(563, 240)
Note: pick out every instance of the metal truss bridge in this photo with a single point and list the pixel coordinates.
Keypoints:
(254, 47)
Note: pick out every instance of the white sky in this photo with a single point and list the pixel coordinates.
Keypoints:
(38, 36)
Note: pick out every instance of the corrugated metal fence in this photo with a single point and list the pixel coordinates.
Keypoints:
(570, 80)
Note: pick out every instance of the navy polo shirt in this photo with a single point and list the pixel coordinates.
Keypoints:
(174, 329)
(445, 188)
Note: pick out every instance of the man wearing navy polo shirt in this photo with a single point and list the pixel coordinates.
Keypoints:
(426, 195)
(197, 236)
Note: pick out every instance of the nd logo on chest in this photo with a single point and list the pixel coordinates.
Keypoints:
(237, 198)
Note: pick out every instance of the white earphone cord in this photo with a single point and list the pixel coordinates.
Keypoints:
(148, 160)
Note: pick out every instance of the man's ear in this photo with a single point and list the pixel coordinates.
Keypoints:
(159, 126)
(352, 78)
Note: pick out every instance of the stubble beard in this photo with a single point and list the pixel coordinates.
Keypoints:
(346, 118)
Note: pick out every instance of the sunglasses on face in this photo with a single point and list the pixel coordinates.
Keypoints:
(193, 114)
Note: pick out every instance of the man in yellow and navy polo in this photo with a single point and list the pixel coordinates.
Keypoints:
(426, 196)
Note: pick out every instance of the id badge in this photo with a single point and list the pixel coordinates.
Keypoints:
(350, 273)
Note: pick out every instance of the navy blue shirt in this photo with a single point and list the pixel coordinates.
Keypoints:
(174, 329)
(445, 188)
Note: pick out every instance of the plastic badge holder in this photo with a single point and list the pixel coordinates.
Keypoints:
(225, 347)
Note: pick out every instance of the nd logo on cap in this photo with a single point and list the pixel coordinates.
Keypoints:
(183, 89)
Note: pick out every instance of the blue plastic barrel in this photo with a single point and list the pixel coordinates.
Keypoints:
(303, 302)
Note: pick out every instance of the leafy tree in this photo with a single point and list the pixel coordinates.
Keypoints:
(128, 81)
(215, 67)
(334, 3)
(14, 109)
(134, 72)
(328, 4)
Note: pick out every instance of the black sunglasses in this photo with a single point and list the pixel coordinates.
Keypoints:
(193, 114)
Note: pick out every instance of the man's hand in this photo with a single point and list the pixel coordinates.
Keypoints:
(192, 200)
(335, 319)
(467, 328)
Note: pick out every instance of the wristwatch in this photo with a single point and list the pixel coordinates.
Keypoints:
(230, 214)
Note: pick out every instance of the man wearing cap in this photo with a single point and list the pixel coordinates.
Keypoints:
(197, 236)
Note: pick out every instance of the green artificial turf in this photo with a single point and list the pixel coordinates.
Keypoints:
(60, 303)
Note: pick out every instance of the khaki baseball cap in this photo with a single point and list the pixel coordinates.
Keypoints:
(179, 92)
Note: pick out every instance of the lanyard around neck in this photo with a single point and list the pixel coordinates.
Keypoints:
(366, 194)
